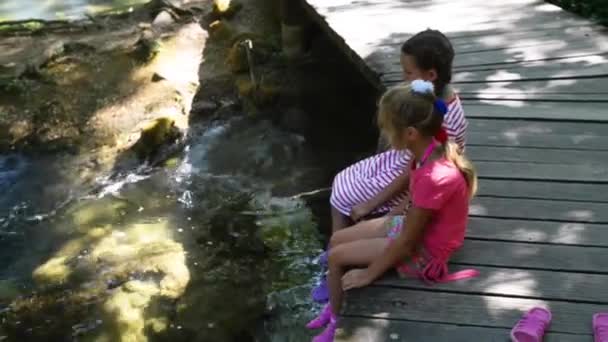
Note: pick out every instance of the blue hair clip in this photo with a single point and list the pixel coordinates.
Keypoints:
(441, 107)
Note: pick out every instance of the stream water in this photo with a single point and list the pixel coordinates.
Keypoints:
(218, 244)
(59, 9)
(246, 243)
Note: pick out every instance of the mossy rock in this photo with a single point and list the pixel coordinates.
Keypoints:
(262, 52)
(257, 96)
(157, 134)
(237, 60)
(221, 30)
(146, 48)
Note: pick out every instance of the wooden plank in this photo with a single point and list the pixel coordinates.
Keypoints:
(518, 95)
(585, 65)
(595, 112)
(569, 233)
(578, 142)
(386, 59)
(355, 329)
(500, 38)
(452, 308)
(591, 58)
(573, 67)
(543, 190)
(512, 127)
(533, 256)
(566, 87)
(537, 155)
(496, 281)
(533, 209)
(542, 172)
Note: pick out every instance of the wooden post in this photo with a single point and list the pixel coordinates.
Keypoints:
(293, 29)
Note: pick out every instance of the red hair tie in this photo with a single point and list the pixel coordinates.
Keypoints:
(442, 136)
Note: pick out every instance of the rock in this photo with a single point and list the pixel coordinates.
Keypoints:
(293, 38)
(222, 30)
(257, 96)
(146, 48)
(157, 78)
(203, 107)
(236, 60)
(158, 133)
(163, 19)
(295, 120)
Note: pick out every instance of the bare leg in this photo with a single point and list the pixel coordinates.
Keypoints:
(370, 229)
(338, 220)
(356, 253)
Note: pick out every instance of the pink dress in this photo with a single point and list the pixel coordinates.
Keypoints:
(438, 186)
(365, 179)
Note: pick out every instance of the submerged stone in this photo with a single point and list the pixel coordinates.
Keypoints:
(158, 133)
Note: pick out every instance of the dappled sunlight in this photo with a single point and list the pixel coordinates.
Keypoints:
(524, 234)
(499, 307)
(477, 209)
(89, 213)
(54, 271)
(143, 254)
(126, 308)
(569, 233)
(547, 8)
(524, 251)
(517, 282)
(222, 5)
(580, 215)
(376, 330)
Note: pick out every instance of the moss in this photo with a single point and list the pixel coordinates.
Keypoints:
(13, 86)
(154, 135)
(53, 272)
(125, 310)
(258, 95)
(236, 59)
(98, 212)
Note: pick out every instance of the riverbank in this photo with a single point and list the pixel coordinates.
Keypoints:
(204, 239)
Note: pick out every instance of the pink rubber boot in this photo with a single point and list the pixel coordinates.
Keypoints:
(532, 326)
(600, 327)
(322, 319)
(330, 331)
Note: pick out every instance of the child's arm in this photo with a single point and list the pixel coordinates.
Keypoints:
(403, 247)
(393, 189)
(400, 208)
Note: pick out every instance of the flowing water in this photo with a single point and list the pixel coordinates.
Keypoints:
(215, 246)
(59, 9)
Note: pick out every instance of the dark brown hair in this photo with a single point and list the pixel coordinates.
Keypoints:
(431, 49)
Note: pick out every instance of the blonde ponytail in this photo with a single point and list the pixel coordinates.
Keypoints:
(453, 154)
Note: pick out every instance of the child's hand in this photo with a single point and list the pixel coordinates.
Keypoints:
(359, 211)
(356, 278)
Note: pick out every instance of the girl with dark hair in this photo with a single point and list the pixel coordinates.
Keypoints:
(377, 186)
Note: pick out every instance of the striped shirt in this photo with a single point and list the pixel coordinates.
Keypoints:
(363, 180)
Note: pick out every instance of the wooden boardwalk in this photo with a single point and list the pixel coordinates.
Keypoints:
(534, 80)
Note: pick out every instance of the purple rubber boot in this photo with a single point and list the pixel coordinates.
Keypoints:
(322, 319)
(323, 259)
(329, 333)
(320, 293)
